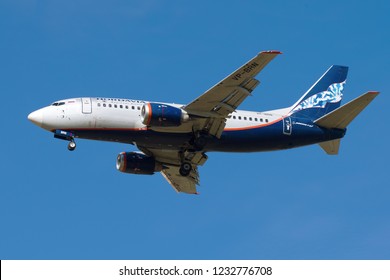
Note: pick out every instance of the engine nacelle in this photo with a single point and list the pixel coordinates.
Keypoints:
(137, 163)
(157, 114)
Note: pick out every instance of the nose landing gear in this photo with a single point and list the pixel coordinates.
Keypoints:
(72, 145)
(68, 136)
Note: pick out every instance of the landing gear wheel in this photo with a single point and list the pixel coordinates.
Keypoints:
(185, 169)
(71, 145)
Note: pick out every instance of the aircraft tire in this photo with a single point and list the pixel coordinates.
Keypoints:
(72, 146)
(185, 169)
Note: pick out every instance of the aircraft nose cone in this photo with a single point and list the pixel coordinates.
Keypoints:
(36, 117)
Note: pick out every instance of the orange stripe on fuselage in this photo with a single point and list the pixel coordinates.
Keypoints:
(102, 129)
(252, 127)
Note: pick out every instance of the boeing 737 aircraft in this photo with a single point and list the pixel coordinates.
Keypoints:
(173, 139)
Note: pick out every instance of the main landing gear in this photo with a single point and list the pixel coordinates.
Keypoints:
(185, 169)
(200, 140)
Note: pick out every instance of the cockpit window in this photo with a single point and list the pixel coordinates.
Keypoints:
(58, 103)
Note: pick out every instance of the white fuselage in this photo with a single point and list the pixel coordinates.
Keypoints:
(120, 120)
(116, 113)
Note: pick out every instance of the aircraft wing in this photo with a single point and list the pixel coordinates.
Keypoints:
(222, 99)
(171, 159)
(209, 112)
(180, 183)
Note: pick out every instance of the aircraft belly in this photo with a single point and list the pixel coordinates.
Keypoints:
(270, 138)
(267, 138)
(145, 138)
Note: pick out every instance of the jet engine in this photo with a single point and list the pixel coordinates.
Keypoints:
(137, 163)
(157, 114)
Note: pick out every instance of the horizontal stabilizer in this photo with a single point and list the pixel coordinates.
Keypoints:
(342, 117)
(331, 147)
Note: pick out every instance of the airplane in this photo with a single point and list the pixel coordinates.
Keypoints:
(173, 139)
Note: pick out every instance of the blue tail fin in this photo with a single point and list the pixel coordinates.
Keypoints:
(324, 96)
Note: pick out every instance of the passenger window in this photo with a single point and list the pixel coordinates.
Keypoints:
(239, 117)
(256, 119)
(127, 107)
(244, 118)
(109, 105)
(121, 106)
(132, 107)
(234, 117)
(104, 104)
(98, 104)
(138, 108)
(115, 106)
(266, 120)
(250, 119)
(261, 120)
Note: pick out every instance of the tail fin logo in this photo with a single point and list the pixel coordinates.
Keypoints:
(333, 94)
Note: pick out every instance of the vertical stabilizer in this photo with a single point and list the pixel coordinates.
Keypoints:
(324, 96)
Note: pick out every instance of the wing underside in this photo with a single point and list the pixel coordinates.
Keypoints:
(171, 160)
(180, 183)
(223, 99)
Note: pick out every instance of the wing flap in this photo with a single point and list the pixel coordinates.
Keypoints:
(179, 183)
(171, 159)
(251, 85)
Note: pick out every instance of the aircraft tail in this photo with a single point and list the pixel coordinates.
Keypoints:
(331, 147)
(342, 117)
(324, 96)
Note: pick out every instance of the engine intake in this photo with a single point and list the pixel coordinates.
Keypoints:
(137, 163)
(157, 114)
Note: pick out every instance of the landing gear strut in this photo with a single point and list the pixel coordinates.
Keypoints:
(72, 145)
(200, 139)
(200, 142)
(185, 169)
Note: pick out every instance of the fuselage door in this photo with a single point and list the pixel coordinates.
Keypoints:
(86, 105)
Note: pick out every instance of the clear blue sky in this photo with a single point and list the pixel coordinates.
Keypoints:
(296, 204)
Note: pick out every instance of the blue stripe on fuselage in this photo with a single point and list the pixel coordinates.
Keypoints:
(269, 138)
(264, 138)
